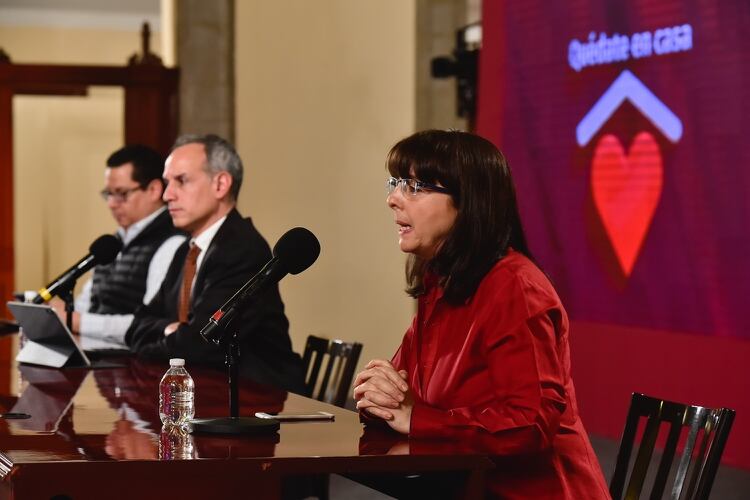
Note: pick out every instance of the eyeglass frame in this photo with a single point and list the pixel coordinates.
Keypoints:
(415, 186)
(119, 196)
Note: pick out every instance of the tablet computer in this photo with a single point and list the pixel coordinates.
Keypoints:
(49, 342)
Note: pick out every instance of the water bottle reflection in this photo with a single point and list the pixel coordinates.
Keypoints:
(176, 443)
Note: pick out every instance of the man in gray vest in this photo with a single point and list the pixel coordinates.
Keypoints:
(133, 192)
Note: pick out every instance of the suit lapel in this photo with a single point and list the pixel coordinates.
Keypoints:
(216, 246)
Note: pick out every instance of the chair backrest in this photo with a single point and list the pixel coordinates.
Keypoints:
(315, 349)
(339, 372)
(707, 431)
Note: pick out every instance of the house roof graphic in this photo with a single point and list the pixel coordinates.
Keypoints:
(627, 86)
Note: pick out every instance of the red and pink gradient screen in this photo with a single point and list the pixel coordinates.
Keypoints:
(624, 125)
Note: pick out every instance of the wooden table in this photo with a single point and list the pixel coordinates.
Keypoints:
(96, 434)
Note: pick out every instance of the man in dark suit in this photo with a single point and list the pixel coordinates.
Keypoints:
(203, 176)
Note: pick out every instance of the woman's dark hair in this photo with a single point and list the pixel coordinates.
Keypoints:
(479, 180)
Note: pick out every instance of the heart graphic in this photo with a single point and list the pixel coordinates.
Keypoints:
(626, 191)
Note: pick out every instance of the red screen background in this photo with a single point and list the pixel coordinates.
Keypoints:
(643, 231)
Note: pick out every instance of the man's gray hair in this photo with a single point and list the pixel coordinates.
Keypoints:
(220, 157)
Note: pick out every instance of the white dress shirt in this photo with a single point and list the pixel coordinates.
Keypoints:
(203, 241)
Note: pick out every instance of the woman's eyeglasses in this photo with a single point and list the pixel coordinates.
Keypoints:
(413, 186)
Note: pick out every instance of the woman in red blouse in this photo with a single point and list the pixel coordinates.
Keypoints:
(486, 360)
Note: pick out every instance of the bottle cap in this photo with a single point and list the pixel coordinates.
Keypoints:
(176, 362)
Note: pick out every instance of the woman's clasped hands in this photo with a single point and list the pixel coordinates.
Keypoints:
(382, 392)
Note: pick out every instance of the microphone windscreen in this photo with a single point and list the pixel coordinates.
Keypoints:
(105, 248)
(297, 249)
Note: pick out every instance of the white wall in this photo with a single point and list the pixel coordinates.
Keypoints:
(324, 89)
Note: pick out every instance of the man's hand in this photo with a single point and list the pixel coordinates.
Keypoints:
(171, 328)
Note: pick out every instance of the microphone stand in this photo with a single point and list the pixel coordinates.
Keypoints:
(234, 424)
(67, 297)
(233, 360)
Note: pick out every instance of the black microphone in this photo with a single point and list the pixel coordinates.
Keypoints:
(295, 251)
(102, 251)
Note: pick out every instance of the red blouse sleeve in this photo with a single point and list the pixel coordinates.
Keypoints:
(526, 373)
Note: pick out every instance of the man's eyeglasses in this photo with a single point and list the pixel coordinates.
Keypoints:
(120, 196)
(413, 186)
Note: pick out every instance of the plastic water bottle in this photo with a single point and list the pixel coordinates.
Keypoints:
(176, 395)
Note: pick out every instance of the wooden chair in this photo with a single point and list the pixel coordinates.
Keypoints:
(334, 389)
(342, 361)
(312, 359)
(339, 371)
(706, 432)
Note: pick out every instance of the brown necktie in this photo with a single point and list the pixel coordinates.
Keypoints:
(187, 282)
